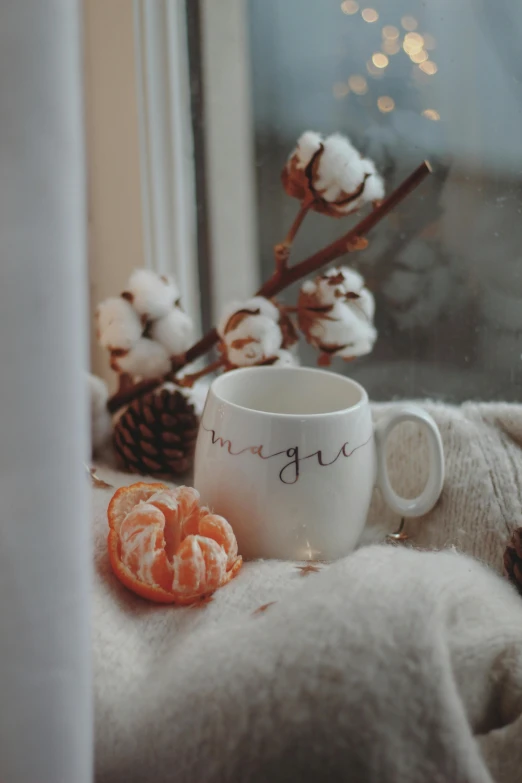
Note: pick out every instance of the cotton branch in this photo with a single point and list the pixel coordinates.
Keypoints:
(285, 276)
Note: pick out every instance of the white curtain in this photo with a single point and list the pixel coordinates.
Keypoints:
(45, 554)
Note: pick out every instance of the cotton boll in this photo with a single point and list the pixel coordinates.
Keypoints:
(152, 295)
(340, 168)
(174, 331)
(255, 339)
(100, 417)
(339, 182)
(257, 305)
(345, 328)
(337, 315)
(251, 331)
(147, 359)
(118, 325)
(343, 172)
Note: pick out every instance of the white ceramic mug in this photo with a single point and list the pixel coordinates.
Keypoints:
(290, 457)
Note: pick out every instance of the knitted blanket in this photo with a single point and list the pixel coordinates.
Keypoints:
(393, 664)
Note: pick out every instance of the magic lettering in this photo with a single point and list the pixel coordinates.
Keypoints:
(289, 473)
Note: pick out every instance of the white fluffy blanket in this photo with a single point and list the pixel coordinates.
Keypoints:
(392, 665)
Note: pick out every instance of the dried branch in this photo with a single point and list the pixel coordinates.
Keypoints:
(285, 276)
(282, 250)
(188, 381)
(345, 243)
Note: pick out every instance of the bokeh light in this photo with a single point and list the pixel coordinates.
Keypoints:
(431, 114)
(358, 84)
(413, 43)
(369, 14)
(349, 7)
(385, 104)
(391, 47)
(376, 73)
(390, 33)
(409, 23)
(419, 57)
(380, 60)
(429, 67)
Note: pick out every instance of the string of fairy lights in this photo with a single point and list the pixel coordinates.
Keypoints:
(418, 47)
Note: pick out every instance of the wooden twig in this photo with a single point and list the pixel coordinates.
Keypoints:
(298, 221)
(189, 380)
(282, 278)
(282, 249)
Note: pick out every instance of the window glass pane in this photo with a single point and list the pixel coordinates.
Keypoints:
(407, 80)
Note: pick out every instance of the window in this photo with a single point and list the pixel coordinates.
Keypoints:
(221, 91)
(408, 80)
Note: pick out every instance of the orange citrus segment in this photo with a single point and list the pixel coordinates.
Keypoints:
(215, 562)
(199, 566)
(217, 528)
(125, 498)
(142, 545)
(189, 510)
(167, 503)
(165, 547)
(188, 567)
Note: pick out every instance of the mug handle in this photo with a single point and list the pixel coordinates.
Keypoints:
(414, 507)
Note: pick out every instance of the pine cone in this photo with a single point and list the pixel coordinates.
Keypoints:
(156, 434)
(513, 559)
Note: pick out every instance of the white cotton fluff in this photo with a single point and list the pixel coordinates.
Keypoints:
(118, 325)
(256, 339)
(146, 359)
(175, 331)
(153, 295)
(327, 293)
(341, 170)
(265, 307)
(346, 325)
(100, 417)
(307, 145)
(350, 321)
(353, 282)
(309, 287)
(286, 359)
(196, 395)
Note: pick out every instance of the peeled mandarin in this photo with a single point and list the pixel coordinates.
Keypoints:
(166, 547)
